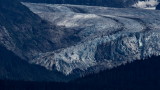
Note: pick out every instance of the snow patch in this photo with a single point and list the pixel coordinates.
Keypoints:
(147, 4)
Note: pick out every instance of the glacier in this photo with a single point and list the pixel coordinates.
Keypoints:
(108, 37)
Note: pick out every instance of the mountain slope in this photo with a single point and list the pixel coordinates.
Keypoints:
(24, 33)
(77, 39)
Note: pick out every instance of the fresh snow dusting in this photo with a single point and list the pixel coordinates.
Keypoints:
(109, 36)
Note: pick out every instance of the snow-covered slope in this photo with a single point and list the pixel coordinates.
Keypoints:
(106, 37)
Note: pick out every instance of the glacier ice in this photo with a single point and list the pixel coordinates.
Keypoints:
(109, 36)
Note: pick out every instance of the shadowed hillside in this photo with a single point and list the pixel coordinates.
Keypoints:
(139, 75)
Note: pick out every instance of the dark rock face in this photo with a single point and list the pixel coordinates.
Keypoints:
(21, 25)
(158, 7)
(108, 3)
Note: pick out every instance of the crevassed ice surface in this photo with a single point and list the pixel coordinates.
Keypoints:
(109, 37)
